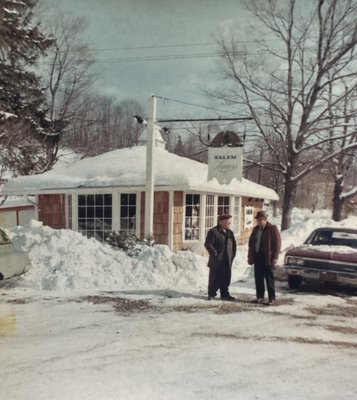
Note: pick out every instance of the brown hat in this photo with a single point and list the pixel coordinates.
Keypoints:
(261, 214)
(224, 216)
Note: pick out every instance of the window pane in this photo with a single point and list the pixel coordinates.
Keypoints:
(128, 212)
(99, 212)
(90, 200)
(209, 213)
(192, 216)
(107, 212)
(81, 212)
(236, 216)
(108, 199)
(81, 200)
(99, 200)
(223, 205)
(90, 212)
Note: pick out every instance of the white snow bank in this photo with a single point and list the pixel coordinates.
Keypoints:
(67, 260)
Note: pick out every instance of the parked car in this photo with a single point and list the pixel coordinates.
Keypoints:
(327, 255)
(12, 262)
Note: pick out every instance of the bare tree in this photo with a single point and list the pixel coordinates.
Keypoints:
(104, 124)
(68, 77)
(282, 84)
(342, 164)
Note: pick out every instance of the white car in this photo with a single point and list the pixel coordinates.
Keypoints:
(12, 262)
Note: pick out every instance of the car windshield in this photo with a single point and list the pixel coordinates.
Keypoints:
(333, 238)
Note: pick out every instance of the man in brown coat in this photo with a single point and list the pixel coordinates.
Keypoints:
(221, 246)
(264, 249)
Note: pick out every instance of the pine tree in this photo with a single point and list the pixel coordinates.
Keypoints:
(24, 131)
(179, 148)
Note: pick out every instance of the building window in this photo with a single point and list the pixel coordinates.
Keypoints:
(128, 212)
(209, 214)
(236, 215)
(223, 205)
(95, 215)
(248, 217)
(192, 217)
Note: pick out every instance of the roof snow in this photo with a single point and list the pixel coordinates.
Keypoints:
(127, 168)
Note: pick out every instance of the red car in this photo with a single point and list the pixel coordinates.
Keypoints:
(327, 255)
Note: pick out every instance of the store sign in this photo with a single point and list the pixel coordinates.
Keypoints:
(225, 163)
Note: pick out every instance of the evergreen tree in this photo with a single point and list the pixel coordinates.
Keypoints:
(25, 134)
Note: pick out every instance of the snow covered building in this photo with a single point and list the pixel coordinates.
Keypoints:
(16, 212)
(106, 193)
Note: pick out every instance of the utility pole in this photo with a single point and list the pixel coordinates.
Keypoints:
(149, 192)
(150, 150)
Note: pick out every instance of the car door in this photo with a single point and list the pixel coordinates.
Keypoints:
(12, 262)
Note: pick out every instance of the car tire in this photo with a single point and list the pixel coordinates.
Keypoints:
(294, 281)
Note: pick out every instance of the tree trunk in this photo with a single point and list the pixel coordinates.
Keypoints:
(275, 209)
(289, 194)
(338, 203)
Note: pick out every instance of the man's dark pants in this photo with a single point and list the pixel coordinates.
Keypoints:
(219, 278)
(263, 272)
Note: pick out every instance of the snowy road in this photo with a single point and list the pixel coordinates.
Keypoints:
(77, 327)
(171, 345)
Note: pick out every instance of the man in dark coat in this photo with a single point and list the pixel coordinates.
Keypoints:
(263, 252)
(221, 246)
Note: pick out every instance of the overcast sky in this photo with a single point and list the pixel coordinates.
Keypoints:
(122, 31)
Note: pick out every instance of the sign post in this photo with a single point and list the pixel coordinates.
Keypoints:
(149, 192)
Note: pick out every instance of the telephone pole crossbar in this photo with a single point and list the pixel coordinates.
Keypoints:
(206, 119)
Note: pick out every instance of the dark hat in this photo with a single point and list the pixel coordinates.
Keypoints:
(261, 214)
(224, 216)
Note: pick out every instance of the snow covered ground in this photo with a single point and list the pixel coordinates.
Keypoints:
(88, 322)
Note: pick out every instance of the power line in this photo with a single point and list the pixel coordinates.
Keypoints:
(150, 47)
(143, 58)
(155, 58)
(154, 47)
(205, 126)
(206, 119)
(168, 57)
(192, 104)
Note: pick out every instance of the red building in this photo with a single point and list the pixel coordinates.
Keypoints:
(106, 193)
